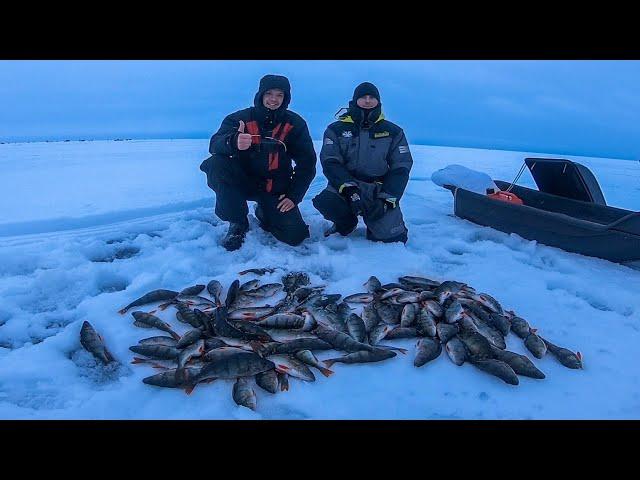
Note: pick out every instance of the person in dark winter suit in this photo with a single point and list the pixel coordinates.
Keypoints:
(251, 159)
(367, 161)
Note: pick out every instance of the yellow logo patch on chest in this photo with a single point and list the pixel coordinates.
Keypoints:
(380, 134)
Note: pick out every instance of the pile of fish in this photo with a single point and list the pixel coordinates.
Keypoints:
(240, 340)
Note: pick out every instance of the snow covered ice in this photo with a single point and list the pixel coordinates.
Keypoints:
(87, 227)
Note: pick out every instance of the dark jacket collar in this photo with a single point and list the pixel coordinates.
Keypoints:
(356, 116)
(365, 118)
(268, 119)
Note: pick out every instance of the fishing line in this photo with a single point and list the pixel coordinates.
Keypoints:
(271, 138)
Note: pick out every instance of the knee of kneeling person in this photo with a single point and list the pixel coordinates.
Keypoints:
(294, 236)
(318, 202)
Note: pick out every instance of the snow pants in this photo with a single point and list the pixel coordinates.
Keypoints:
(334, 207)
(234, 189)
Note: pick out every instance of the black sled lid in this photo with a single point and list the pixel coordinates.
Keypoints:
(566, 179)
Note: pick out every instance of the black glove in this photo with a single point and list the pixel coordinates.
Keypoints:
(379, 208)
(352, 194)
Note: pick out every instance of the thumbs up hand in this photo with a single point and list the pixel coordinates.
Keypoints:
(244, 139)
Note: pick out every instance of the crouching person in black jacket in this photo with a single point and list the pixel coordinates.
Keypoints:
(251, 159)
(367, 161)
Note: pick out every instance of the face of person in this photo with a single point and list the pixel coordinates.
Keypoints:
(367, 102)
(273, 98)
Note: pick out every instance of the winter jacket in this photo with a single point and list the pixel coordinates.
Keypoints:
(355, 151)
(280, 137)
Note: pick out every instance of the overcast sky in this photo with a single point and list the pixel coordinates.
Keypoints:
(567, 107)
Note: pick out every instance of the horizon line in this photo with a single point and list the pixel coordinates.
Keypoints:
(418, 143)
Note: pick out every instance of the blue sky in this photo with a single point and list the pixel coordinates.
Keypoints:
(567, 107)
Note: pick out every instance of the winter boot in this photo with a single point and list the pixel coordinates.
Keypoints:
(334, 229)
(234, 238)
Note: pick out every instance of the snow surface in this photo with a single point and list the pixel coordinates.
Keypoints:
(86, 227)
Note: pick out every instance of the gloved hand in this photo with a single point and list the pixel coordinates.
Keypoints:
(379, 208)
(352, 194)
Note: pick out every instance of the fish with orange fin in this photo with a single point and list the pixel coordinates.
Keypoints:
(214, 287)
(427, 349)
(267, 381)
(362, 357)
(186, 379)
(151, 297)
(94, 343)
(292, 367)
(159, 352)
(565, 356)
(498, 368)
(193, 290)
(155, 363)
(309, 358)
(535, 344)
(283, 381)
(257, 271)
(194, 350)
(147, 320)
(243, 394)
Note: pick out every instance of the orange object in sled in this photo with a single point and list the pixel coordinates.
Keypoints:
(506, 197)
